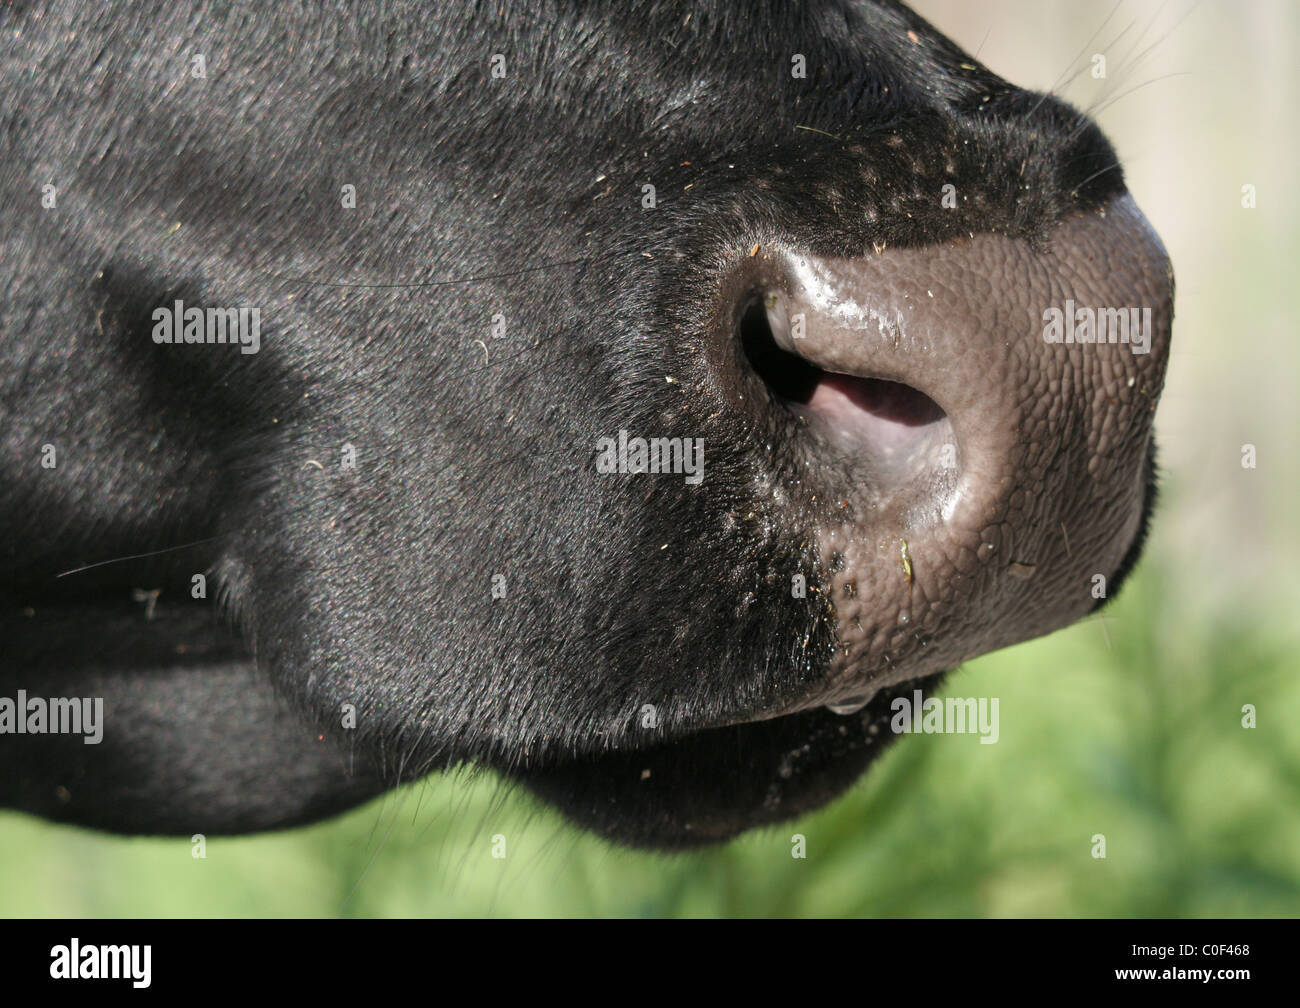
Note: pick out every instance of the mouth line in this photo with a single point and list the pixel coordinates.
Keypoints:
(844, 701)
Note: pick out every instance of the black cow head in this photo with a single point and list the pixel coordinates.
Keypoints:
(811, 265)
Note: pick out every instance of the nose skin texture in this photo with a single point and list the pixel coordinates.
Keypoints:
(983, 522)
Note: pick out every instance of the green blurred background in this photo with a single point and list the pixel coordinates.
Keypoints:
(1128, 724)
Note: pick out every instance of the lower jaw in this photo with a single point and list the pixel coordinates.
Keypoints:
(709, 787)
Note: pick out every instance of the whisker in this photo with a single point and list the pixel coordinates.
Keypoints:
(1138, 87)
(138, 556)
(1134, 58)
(1078, 56)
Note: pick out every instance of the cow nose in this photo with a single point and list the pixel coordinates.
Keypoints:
(960, 433)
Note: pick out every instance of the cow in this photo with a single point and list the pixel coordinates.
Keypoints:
(633, 399)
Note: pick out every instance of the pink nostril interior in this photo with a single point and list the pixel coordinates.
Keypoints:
(898, 437)
(899, 428)
(889, 402)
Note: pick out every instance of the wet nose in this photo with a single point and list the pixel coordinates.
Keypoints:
(975, 403)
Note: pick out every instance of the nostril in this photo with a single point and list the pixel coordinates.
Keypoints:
(895, 436)
(789, 377)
